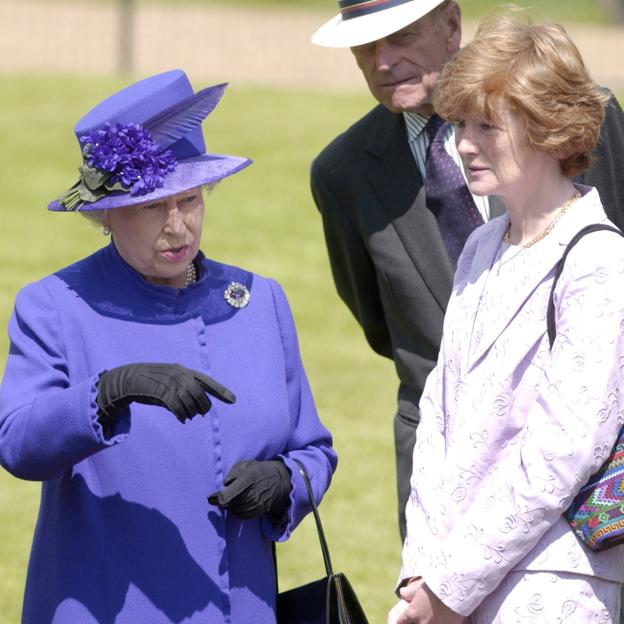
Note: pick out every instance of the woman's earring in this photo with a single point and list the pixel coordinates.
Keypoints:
(106, 230)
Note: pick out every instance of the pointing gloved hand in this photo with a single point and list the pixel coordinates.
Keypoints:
(253, 488)
(182, 391)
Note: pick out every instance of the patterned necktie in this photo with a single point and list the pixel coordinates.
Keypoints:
(448, 196)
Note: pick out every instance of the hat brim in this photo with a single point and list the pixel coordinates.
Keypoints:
(341, 33)
(189, 173)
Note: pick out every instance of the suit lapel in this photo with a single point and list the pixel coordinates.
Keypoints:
(527, 271)
(396, 182)
(470, 285)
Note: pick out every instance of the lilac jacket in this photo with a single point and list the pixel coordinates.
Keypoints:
(125, 533)
(510, 431)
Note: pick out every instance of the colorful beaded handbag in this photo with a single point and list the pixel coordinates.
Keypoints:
(597, 512)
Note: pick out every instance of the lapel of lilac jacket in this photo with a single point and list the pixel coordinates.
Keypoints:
(481, 256)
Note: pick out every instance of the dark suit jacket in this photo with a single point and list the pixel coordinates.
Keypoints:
(387, 256)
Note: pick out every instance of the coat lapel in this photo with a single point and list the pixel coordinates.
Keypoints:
(396, 182)
(527, 271)
(470, 283)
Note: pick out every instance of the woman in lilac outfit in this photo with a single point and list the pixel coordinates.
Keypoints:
(511, 429)
(162, 488)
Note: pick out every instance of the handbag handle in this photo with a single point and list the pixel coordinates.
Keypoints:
(550, 314)
(317, 519)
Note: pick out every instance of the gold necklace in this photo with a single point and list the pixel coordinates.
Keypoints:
(548, 229)
(545, 232)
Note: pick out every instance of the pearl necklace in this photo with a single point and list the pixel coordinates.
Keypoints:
(548, 229)
(191, 274)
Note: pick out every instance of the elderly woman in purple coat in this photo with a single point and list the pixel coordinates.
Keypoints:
(162, 489)
(511, 428)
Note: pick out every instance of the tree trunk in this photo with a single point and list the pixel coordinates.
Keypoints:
(614, 9)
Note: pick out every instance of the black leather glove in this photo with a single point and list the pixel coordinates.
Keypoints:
(253, 488)
(181, 390)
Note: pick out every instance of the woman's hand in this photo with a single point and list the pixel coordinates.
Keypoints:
(419, 605)
(184, 392)
(253, 488)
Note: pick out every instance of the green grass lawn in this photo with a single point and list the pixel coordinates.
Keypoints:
(262, 219)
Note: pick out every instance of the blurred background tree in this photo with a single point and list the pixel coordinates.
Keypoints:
(614, 9)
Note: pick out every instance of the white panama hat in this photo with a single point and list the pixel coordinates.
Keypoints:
(363, 21)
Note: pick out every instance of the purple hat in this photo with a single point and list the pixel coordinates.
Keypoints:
(145, 143)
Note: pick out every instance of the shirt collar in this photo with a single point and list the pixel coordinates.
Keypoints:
(415, 124)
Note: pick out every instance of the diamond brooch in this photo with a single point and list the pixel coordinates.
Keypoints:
(237, 295)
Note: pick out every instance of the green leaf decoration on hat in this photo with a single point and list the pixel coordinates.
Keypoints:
(90, 188)
(92, 178)
(176, 122)
(93, 185)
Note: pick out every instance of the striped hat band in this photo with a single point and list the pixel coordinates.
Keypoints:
(363, 21)
(358, 8)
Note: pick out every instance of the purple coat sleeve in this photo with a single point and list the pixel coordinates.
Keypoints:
(47, 424)
(309, 441)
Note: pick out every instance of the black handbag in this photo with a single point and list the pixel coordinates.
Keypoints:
(330, 600)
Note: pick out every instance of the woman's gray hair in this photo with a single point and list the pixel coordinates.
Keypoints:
(208, 188)
(95, 216)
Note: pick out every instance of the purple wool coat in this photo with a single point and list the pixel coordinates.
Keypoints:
(125, 533)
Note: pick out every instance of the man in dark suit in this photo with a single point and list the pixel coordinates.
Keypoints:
(386, 246)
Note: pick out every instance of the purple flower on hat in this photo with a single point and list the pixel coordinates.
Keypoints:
(120, 157)
(129, 155)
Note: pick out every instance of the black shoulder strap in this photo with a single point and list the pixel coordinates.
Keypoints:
(317, 519)
(319, 527)
(550, 315)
